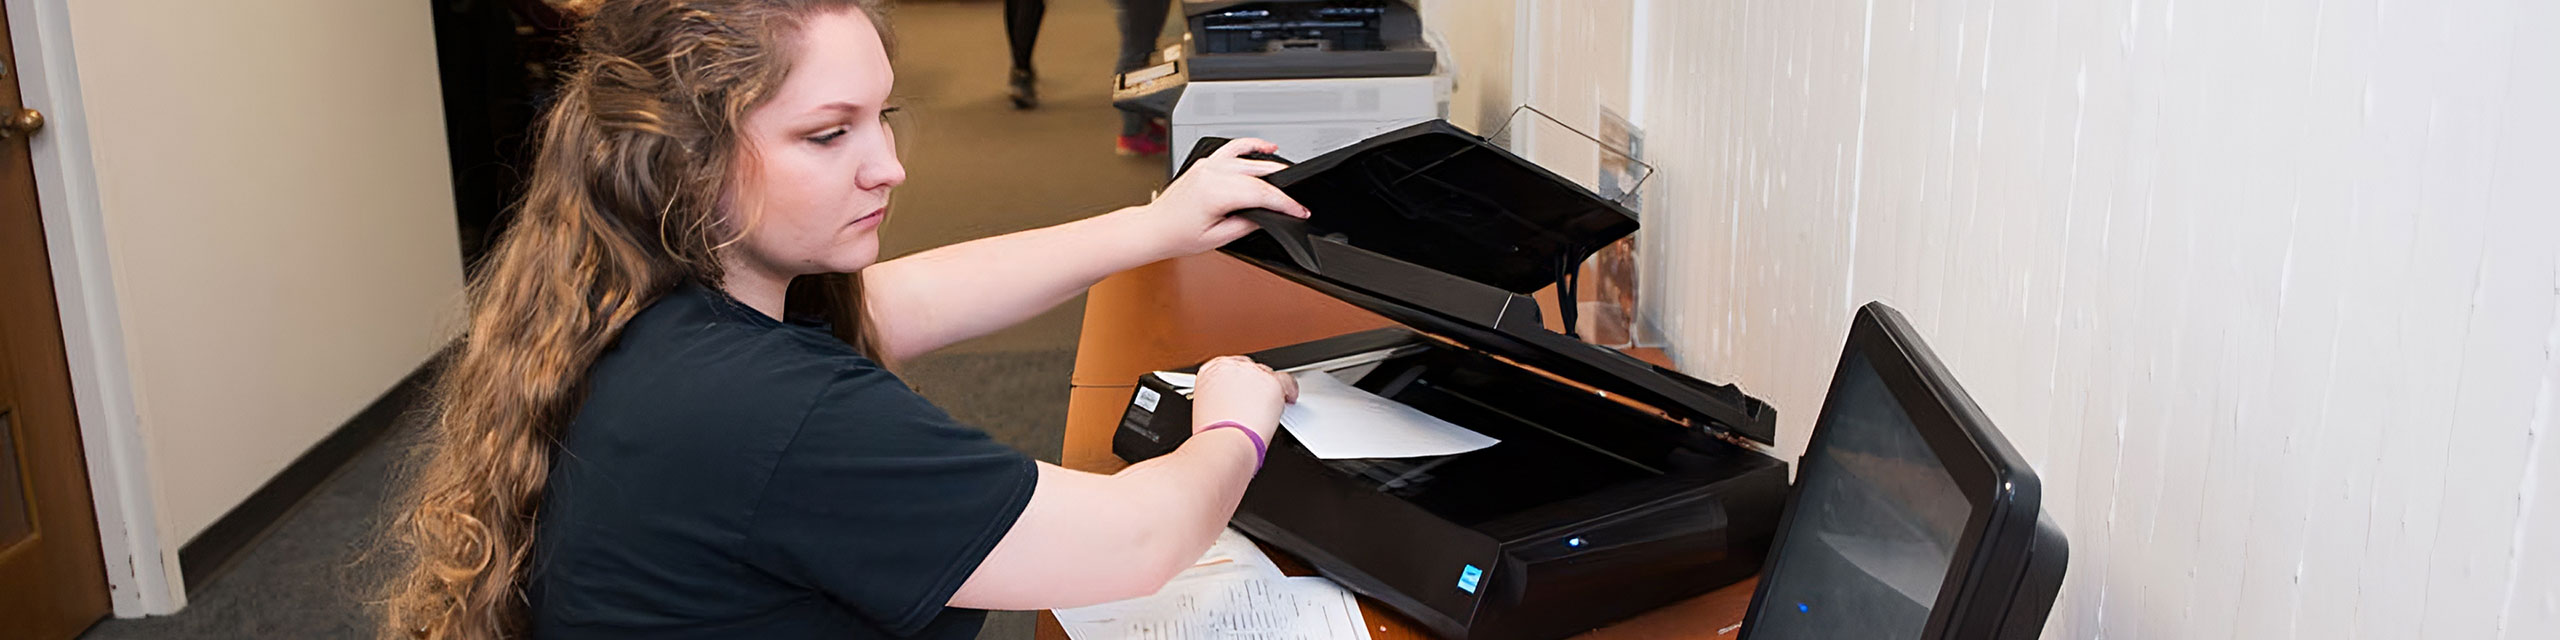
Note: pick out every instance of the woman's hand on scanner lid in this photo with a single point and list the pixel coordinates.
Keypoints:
(1237, 388)
(1192, 212)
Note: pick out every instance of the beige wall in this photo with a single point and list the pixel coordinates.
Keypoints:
(1477, 34)
(2267, 291)
(272, 178)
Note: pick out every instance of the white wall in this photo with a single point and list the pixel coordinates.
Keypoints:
(1577, 61)
(279, 221)
(2268, 291)
(1478, 36)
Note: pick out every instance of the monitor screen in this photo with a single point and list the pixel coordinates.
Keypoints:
(1877, 523)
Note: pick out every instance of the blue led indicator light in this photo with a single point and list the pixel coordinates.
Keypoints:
(1574, 542)
(1802, 607)
(1467, 578)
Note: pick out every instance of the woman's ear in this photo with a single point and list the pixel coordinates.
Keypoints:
(740, 205)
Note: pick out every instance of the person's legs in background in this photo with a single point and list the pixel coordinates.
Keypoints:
(1021, 30)
(1140, 22)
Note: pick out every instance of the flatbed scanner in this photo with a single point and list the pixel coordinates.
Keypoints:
(1617, 486)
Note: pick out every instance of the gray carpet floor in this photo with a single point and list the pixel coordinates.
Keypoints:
(976, 168)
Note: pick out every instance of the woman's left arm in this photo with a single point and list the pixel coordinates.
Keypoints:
(930, 300)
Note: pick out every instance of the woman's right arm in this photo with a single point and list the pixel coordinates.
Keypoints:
(1089, 538)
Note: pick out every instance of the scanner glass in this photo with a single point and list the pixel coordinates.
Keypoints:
(1534, 466)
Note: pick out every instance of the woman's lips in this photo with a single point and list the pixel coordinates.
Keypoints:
(874, 216)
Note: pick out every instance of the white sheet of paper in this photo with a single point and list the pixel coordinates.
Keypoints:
(1231, 606)
(1233, 591)
(1337, 421)
(1235, 550)
(1180, 381)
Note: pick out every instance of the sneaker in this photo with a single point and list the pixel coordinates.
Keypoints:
(1139, 146)
(1025, 89)
(1153, 142)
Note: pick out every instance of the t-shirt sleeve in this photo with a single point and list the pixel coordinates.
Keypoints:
(884, 503)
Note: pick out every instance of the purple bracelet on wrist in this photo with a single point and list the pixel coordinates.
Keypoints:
(1259, 449)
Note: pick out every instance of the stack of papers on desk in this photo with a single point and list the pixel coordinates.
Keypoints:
(1234, 592)
(1337, 421)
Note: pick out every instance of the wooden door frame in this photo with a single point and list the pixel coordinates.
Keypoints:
(141, 563)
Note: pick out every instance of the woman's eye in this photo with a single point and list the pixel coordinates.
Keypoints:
(884, 114)
(828, 137)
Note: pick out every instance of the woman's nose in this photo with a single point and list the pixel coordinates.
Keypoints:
(884, 170)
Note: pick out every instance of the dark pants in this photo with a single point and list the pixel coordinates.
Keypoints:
(1140, 22)
(1022, 28)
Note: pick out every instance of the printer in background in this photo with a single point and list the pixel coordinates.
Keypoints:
(1617, 486)
(1310, 75)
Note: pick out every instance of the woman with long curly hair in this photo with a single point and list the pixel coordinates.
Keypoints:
(640, 438)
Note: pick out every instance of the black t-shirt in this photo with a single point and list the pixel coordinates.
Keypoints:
(732, 476)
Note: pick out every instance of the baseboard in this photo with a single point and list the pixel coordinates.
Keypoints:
(212, 552)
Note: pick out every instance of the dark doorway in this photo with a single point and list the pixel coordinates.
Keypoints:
(497, 61)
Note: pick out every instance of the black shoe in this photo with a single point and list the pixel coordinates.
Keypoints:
(1026, 89)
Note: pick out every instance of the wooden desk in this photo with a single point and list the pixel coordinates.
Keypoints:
(1180, 312)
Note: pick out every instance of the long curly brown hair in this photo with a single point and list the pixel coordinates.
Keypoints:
(621, 207)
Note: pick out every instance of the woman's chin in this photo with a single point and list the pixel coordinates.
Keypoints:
(853, 258)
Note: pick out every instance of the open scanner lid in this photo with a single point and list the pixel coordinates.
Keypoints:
(1446, 233)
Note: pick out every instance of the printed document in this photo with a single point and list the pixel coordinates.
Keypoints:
(1233, 592)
